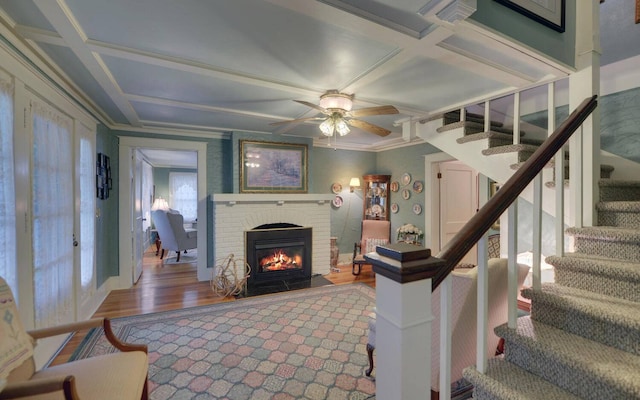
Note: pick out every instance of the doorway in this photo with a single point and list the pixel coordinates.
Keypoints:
(128, 230)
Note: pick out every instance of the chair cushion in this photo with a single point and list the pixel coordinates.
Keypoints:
(16, 345)
(370, 244)
(112, 376)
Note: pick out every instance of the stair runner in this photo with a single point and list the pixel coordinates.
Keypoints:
(582, 338)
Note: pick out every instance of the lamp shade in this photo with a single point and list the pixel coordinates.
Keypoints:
(355, 182)
(159, 204)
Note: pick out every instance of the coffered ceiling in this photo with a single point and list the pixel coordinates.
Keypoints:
(218, 66)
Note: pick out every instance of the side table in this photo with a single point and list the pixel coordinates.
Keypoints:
(157, 241)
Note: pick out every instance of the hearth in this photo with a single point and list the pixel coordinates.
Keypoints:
(279, 256)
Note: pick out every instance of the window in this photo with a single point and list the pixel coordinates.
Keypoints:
(183, 194)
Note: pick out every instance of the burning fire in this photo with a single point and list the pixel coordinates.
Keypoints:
(280, 261)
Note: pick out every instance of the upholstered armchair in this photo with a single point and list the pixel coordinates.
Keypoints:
(170, 227)
(119, 375)
(374, 233)
(463, 318)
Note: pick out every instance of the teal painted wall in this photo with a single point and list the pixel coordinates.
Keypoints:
(560, 46)
(396, 162)
(107, 252)
(339, 166)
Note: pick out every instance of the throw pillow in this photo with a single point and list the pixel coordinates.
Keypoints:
(370, 244)
(15, 344)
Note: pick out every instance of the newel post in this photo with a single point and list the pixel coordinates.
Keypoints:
(403, 326)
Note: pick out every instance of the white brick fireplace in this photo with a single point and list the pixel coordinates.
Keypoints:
(233, 214)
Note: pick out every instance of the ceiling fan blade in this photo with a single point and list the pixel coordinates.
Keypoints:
(379, 110)
(378, 130)
(314, 106)
(290, 121)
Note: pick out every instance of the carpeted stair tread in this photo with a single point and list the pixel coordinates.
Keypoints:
(619, 206)
(609, 320)
(623, 214)
(596, 265)
(504, 380)
(506, 137)
(606, 233)
(523, 151)
(472, 127)
(616, 243)
(619, 190)
(587, 368)
(454, 116)
(484, 135)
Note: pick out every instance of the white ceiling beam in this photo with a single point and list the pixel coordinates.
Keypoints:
(63, 21)
(195, 67)
(201, 107)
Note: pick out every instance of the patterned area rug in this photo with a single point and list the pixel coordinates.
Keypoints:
(300, 344)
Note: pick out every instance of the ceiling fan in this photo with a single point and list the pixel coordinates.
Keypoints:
(339, 115)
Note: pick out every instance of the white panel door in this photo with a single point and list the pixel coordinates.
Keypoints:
(138, 217)
(458, 202)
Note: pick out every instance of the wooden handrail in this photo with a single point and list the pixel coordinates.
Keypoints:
(480, 223)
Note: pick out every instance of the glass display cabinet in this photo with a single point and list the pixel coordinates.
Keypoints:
(376, 197)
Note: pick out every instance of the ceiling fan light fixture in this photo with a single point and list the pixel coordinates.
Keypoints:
(341, 127)
(327, 127)
(333, 99)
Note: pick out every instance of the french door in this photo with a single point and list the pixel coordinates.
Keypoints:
(62, 198)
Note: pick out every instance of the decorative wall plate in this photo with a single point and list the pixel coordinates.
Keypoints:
(336, 188)
(395, 186)
(394, 208)
(337, 201)
(417, 209)
(406, 194)
(406, 179)
(418, 186)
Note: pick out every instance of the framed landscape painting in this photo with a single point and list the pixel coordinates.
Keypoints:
(267, 167)
(547, 12)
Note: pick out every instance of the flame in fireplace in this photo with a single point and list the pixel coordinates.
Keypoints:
(279, 261)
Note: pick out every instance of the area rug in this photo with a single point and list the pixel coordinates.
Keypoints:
(191, 256)
(306, 343)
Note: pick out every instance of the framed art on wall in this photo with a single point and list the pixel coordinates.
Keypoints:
(267, 167)
(103, 176)
(548, 12)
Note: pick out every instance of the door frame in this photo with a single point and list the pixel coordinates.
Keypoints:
(127, 144)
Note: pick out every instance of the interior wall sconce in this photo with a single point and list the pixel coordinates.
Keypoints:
(354, 183)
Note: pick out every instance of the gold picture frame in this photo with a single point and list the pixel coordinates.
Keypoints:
(269, 167)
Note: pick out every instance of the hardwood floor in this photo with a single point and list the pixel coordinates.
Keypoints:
(170, 287)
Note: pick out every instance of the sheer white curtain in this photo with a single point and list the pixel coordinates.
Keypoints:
(7, 187)
(87, 212)
(53, 215)
(183, 194)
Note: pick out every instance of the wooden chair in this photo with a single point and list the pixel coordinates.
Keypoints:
(374, 232)
(120, 375)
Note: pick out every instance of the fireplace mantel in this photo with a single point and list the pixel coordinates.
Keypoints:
(236, 213)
